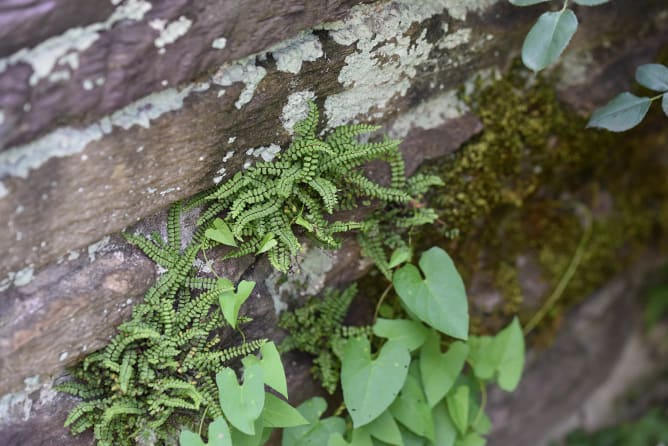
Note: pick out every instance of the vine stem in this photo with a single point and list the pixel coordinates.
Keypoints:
(568, 275)
(483, 402)
(380, 301)
(201, 423)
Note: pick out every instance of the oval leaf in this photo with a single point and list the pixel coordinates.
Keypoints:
(440, 298)
(369, 387)
(590, 2)
(622, 113)
(548, 38)
(527, 2)
(458, 408)
(653, 76)
(241, 404)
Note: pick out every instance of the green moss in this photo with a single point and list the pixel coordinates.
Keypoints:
(514, 191)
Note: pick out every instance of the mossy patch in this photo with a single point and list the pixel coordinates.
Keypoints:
(514, 196)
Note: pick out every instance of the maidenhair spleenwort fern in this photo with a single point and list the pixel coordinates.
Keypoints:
(158, 373)
(264, 205)
(316, 328)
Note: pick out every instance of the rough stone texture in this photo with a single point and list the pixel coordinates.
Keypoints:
(560, 383)
(100, 162)
(109, 56)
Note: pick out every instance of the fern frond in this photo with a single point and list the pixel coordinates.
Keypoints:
(307, 126)
(174, 225)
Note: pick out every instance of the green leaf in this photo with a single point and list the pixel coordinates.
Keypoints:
(317, 433)
(241, 404)
(445, 432)
(653, 76)
(440, 298)
(399, 256)
(187, 438)
(219, 435)
(231, 301)
(410, 334)
(471, 439)
(439, 371)
(278, 413)
(272, 366)
(458, 407)
(385, 429)
(360, 438)
(304, 223)
(527, 2)
(221, 233)
(267, 243)
(502, 355)
(548, 38)
(590, 2)
(625, 111)
(259, 438)
(411, 409)
(657, 305)
(369, 387)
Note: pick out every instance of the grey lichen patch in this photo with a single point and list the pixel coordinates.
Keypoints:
(458, 38)
(308, 281)
(61, 49)
(429, 114)
(290, 54)
(387, 58)
(98, 247)
(267, 153)
(15, 407)
(219, 43)
(243, 71)
(169, 32)
(18, 161)
(24, 276)
(296, 109)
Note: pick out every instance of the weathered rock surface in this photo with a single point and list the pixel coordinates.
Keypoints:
(84, 157)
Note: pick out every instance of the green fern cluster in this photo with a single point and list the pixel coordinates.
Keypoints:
(317, 328)
(381, 231)
(159, 370)
(312, 178)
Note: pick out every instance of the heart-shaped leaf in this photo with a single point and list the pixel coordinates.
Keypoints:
(625, 111)
(230, 301)
(385, 429)
(400, 255)
(439, 371)
(548, 38)
(410, 334)
(502, 355)
(221, 233)
(439, 299)
(241, 404)
(318, 432)
(458, 407)
(278, 413)
(219, 435)
(411, 409)
(369, 387)
(272, 366)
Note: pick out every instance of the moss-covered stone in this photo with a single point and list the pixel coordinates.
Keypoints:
(514, 196)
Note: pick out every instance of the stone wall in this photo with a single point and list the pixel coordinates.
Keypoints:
(109, 113)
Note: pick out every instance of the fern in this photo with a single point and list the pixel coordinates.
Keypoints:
(313, 177)
(316, 328)
(160, 365)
